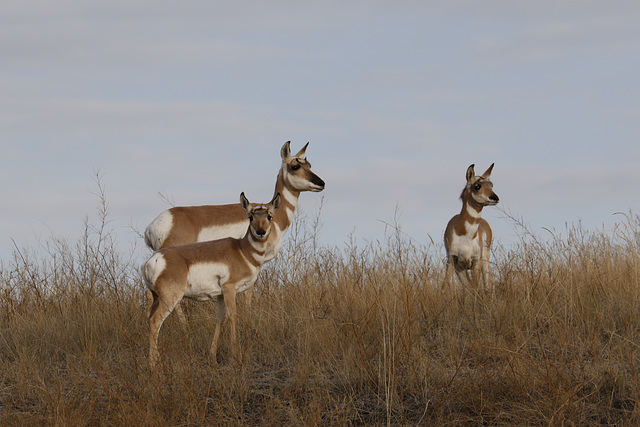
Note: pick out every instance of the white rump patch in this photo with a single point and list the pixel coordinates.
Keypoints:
(152, 269)
(158, 231)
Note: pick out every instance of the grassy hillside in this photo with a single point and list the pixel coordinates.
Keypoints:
(345, 335)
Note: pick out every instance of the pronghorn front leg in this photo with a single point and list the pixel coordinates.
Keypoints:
(221, 315)
(486, 269)
(463, 276)
(477, 273)
(461, 270)
(226, 309)
(229, 294)
(448, 273)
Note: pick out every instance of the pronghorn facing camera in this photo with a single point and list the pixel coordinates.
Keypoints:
(468, 237)
(210, 270)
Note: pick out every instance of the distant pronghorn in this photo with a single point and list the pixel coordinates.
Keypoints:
(468, 237)
(189, 224)
(209, 270)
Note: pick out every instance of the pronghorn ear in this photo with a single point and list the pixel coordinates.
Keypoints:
(487, 173)
(470, 172)
(300, 154)
(245, 204)
(285, 152)
(275, 203)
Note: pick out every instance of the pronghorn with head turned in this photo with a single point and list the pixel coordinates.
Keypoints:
(468, 237)
(203, 271)
(190, 224)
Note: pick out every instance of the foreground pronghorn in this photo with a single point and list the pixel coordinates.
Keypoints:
(468, 237)
(189, 224)
(204, 271)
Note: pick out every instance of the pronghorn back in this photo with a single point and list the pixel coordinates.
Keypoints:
(190, 224)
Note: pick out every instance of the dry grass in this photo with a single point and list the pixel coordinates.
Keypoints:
(336, 336)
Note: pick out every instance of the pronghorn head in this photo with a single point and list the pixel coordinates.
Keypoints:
(480, 188)
(297, 170)
(260, 216)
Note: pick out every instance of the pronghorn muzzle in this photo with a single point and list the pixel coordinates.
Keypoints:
(317, 182)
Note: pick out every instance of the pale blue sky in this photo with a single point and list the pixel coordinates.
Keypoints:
(195, 98)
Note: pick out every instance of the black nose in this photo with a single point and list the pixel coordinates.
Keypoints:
(319, 182)
(495, 198)
(261, 232)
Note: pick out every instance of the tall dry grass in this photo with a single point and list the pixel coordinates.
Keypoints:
(349, 335)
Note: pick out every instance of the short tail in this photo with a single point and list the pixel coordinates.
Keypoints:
(148, 239)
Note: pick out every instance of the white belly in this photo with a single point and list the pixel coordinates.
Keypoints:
(205, 280)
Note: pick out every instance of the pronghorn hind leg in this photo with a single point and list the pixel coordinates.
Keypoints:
(178, 309)
(181, 316)
(159, 309)
(154, 327)
(152, 302)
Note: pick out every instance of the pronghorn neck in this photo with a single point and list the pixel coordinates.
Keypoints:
(253, 250)
(284, 216)
(470, 208)
(470, 213)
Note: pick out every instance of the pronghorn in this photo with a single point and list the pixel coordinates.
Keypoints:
(468, 237)
(204, 271)
(189, 224)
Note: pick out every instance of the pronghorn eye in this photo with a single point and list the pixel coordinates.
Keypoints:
(250, 218)
(269, 217)
(477, 187)
(295, 167)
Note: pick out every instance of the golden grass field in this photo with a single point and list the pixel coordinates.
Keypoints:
(350, 335)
